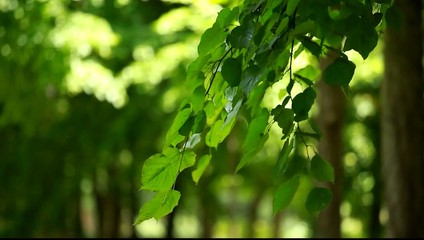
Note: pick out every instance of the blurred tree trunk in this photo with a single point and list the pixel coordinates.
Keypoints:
(402, 123)
(109, 208)
(331, 103)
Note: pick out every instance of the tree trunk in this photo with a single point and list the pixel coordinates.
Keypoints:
(330, 120)
(402, 123)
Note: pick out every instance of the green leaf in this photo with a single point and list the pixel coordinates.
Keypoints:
(303, 28)
(211, 39)
(283, 159)
(250, 77)
(241, 36)
(362, 36)
(295, 166)
(185, 129)
(285, 193)
(231, 71)
(339, 73)
(284, 118)
(195, 77)
(197, 99)
(321, 169)
(255, 137)
(227, 16)
(213, 137)
(201, 167)
(363, 43)
(312, 46)
(160, 170)
(199, 122)
(291, 6)
(309, 72)
(318, 199)
(302, 103)
(160, 205)
(192, 141)
(172, 136)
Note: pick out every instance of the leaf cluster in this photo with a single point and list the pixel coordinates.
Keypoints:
(247, 50)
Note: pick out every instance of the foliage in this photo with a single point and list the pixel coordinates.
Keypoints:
(248, 49)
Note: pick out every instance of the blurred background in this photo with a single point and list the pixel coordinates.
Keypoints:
(88, 90)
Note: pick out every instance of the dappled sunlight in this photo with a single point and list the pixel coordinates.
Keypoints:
(92, 78)
(151, 228)
(83, 33)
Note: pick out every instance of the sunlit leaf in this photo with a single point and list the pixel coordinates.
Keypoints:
(198, 99)
(321, 169)
(160, 170)
(195, 77)
(227, 16)
(285, 193)
(318, 199)
(211, 38)
(160, 205)
(201, 167)
(213, 136)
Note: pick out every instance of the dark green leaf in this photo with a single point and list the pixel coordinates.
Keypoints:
(321, 169)
(231, 71)
(241, 36)
(312, 46)
(318, 199)
(302, 103)
(172, 136)
(291, 6)
(377, 18)
(339, 73)
(283, 158)
(303, 79)
(199, 122)
(361, 35)
(284, 118)
(185, 129)
(285, 193)
(295, 166)
(250, 77)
